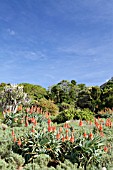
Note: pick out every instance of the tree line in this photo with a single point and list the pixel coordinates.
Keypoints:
(68, 94)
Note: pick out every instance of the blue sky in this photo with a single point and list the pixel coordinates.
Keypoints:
(46, 41)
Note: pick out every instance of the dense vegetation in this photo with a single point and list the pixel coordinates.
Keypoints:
(69, 98)
(67, 126)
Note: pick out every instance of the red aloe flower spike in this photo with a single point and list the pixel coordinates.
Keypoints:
(49, 121)
(100, 127)
(19, 142)
(60, 129)
(63, 139)
(105, 148)
(66, 137)
(72, 139)
(65, 125)
(31, 110)
(58, 136)
(53, 128)
(84, 134)
(91, 135)
(67, 130)
(14, 139)
(32, 130)
(35, 122)
(80, 123)
(101, 134)
(90, 123)
(26, 123)
(49, 129)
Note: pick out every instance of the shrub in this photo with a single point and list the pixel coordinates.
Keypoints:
(67, 114)
(84, 114)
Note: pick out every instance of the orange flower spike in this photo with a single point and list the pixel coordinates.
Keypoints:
(13, 132)
(49, 129)
(14, 139)
(60, 129)
(65, 125)
(96, 124)
(63, 139)
(31, 110)
(100, 127)
(68, 125)
(72, 139)
(53, 128)
(58, 136)
(84, 135)
(80, 123)
(26, 123)
(107, 122)
(19, 108)
(35, 122)
(101, 134)
(49, 121)
(67, 137)
(67, 130)
(91, 135)
(105, 148)
(90, 123)
(33, 130)
(19, 142)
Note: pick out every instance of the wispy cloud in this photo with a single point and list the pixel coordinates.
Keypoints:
(74, 10)
(32, 55)
(11, 32)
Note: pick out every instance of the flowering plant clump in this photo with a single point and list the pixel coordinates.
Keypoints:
(85, 144)
(12, 97)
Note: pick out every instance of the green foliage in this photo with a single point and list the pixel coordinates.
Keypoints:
(14, 159)
(67, 114)
(84, 152)
(12, 119)
(41, 149)
(42, 160)
(3, 164)
(5, 142)
(64, 91)
(84, 114)
(48, 105)
(35, 92)
(72, 113)
(107, 94)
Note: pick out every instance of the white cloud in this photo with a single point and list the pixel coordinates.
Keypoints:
(32, 55)
(11, 32)
(50, 76)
